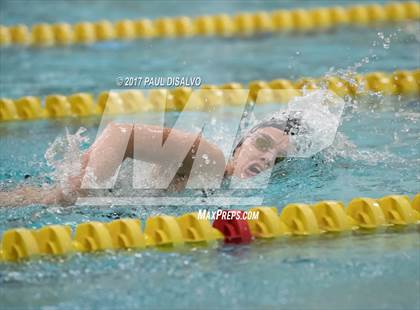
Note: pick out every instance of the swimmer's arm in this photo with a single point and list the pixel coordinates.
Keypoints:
(107, 153)
(146, 144)
(26, 195)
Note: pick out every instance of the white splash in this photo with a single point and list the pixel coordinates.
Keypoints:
(319, 113)
(64, 157)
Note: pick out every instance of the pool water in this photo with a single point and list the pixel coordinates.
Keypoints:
(374, 271)
(376, 153)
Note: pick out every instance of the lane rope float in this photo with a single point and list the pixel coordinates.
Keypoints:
(207, 98)
(295, 219)
(241, 24)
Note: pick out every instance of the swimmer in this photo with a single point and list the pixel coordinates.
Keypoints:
(301, 131)
(263, 146)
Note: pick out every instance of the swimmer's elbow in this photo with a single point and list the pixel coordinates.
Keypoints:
(119, 127)
(216, 156)
(220, 158)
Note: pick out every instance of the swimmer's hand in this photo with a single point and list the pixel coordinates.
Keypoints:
(30, 195)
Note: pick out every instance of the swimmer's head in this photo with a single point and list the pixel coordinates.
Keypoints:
(264, 145)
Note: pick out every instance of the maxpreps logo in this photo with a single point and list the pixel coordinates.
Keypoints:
(227, 215)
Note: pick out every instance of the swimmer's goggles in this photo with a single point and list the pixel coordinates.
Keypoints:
(266, 144)
(291, 126)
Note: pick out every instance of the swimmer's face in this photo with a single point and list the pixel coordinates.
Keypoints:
(259, 151)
